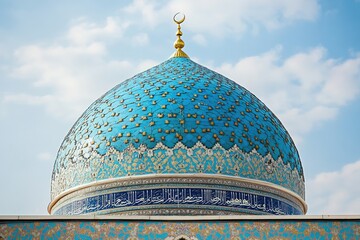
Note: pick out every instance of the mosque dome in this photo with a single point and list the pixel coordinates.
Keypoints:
(177, 139)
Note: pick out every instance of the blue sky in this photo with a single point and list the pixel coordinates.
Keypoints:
(300, 57)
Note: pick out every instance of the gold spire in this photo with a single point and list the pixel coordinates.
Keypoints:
(179, 43)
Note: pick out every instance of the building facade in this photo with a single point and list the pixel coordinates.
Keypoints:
(178, 152)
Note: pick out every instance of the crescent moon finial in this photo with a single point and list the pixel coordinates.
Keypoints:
(179, 43)
(181, 20)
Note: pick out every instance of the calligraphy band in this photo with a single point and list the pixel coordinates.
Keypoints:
(222, 200)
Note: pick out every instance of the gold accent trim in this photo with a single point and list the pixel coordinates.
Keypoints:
(179, 43)
(195, 175)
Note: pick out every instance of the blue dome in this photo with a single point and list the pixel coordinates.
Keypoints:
(177, 118)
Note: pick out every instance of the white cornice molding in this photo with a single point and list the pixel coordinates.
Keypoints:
(95, 217)
(269, 185)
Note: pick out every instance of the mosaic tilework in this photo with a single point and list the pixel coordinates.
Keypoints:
(176, 102)
(179, 159)
(117, 229)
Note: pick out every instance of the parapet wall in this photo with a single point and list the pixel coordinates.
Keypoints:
(179, 227)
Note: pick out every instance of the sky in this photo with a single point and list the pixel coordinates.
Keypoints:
(300, 57)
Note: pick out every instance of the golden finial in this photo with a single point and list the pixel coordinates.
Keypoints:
(179, 43)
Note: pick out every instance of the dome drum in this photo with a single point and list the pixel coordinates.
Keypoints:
(179, 194)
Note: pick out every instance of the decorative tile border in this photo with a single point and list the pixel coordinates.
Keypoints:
(164, 160)
(179, 197)
(134, 229)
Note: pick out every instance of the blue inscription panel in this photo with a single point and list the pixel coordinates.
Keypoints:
(179, 197)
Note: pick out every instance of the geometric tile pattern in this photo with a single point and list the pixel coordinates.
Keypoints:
(159, 118)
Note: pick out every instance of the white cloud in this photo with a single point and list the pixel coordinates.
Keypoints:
(226, 16)
(84, 32)
(149, 11)
(200, 39)
(45, 156)
(141, 39)
(303, 90)
(26, 98)
(335, 192)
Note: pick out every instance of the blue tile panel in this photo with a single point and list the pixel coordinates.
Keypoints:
(170, 230)
(180, 198)
(176, 102)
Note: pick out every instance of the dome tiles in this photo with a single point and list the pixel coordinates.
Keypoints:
(177, 118)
